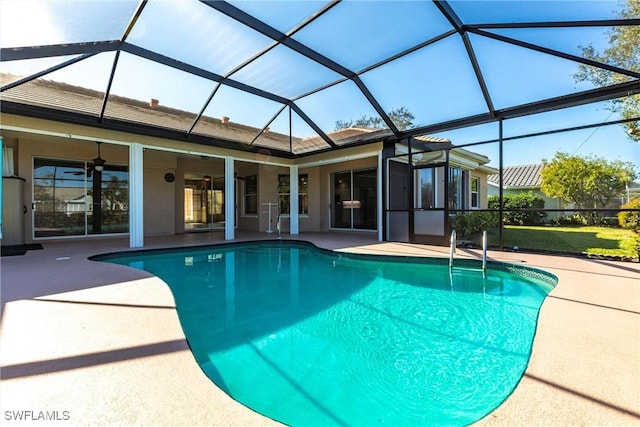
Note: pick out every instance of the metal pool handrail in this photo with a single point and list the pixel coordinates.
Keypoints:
(484, 251)
(452, 248)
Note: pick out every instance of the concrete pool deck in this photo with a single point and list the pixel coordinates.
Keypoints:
(89, 343)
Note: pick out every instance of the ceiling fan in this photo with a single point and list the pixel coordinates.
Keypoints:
(98, 165)
(98, 162)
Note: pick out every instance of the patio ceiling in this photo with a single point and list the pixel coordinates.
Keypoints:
(300, 77)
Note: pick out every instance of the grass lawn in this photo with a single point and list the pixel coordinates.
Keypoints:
(589, 240)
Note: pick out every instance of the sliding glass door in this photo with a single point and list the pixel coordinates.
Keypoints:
(70, 198)
(203, 203)
(354, 195)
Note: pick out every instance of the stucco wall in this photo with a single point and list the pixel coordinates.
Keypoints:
(483, 191)
(248, 222)
(159, 195)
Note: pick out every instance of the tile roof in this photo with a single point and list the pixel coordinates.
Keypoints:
(521, 176)
(63, 96)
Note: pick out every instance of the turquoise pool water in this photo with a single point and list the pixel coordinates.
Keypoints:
(309, 337)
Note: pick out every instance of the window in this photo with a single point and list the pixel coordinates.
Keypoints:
(460, 197)
(251, 195)
(284, 194)
(427, 192)
(455, 189)
(475, 192)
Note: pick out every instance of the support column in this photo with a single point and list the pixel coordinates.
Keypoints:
(229, 199)
(136, 196)
(294, 208)
(380, 212)
(96, 218)
(501, 185)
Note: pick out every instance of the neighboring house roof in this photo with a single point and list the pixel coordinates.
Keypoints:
(68, 194)
(521, 176)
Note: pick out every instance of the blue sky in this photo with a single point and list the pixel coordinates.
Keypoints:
(436, 83)
(608, 141)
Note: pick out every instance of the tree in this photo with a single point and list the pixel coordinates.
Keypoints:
(623, 52)
(587, 182)
(401, 117)
(115, 199)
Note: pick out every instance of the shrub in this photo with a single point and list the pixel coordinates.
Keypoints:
(630, 219)
(575, 219)
(468, 225)
(608, 221)
(515, 205)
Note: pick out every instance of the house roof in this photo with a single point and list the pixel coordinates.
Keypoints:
(299, 68)
(521, 176)
(75, 99)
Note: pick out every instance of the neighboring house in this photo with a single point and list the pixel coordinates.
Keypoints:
(524, 179)
(632, 192)
(528, 178)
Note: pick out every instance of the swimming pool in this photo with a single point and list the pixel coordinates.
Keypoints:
(311, 337)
